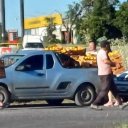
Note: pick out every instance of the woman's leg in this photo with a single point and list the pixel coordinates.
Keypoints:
(104, 89)
(110, 100)
(1, 104)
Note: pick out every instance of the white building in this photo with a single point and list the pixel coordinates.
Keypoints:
(38, 26)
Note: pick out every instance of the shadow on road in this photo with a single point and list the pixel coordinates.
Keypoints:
(44, 106)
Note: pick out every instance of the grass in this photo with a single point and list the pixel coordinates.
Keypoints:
(123, 125)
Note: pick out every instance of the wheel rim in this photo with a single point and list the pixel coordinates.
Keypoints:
(85, 96)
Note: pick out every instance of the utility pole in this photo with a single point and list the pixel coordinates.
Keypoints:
(2, 4)
(22, 17)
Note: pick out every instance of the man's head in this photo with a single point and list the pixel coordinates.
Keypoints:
(92, 46)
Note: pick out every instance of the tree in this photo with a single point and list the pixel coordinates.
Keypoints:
(81, 29)
(6, 34)
(0, 33)
(98, 21)
(50, 28)
(121, 20)
(71, 18)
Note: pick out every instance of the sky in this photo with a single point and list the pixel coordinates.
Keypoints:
(33, 8)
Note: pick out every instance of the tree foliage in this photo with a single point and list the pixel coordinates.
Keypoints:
(72, 17)
(6, 34)
(99, 22)
(99, 18)
(51, 26)
(121, 20)
(51, 38)
(0, 33)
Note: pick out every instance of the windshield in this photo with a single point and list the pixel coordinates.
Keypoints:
(34, 45)
(10, 59)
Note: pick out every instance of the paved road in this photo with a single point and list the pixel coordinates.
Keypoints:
(65, 116)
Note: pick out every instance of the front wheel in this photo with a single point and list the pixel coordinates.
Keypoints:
(4, 95)
(85, 96)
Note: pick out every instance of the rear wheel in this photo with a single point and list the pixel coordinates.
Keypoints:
(85, 96)
(4, 95)
(54, 101)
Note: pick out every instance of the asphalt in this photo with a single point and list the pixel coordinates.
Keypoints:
(65, 116)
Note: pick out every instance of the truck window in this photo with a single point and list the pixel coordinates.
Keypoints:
(34, 45)
(33, 63)
(66, 61)
(49, 61)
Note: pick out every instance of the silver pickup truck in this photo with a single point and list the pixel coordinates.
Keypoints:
(47, 75)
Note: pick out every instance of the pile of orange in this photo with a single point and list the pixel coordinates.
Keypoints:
(76, 50)
(88, 60)
(116, 57)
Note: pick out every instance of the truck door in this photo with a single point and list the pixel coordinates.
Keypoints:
(30, 77)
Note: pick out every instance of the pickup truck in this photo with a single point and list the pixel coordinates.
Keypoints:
(47, 75)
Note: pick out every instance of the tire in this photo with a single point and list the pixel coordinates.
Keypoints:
(85, 96)
(4, 95)
(124, 98)
(55, 102)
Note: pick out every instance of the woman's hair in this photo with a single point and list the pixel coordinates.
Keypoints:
(104, 44)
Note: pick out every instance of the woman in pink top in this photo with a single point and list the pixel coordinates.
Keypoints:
(106, 76)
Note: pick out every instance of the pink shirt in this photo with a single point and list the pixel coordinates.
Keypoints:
(103, 69)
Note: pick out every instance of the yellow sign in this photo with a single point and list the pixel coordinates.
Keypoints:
(37, 22)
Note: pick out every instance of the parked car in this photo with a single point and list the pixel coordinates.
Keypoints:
(47, 75)
(122, 85)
